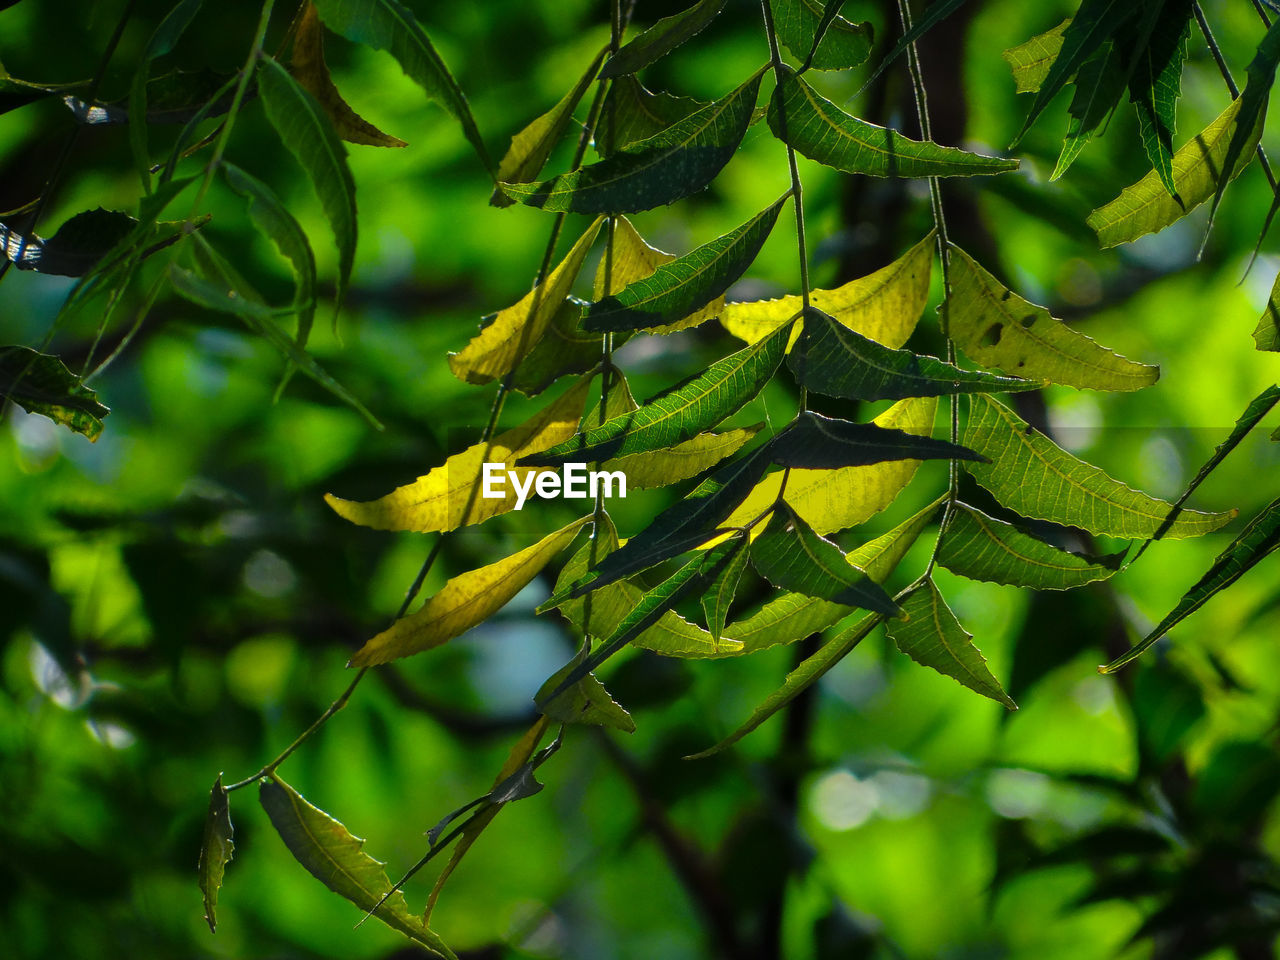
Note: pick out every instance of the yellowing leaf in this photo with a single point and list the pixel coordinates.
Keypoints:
(662, 467)
(495, 350)
(1030, 61)
(884, 305)
(1267, 333)
(633, 259)
(449, 496)
(463, 602)
(310, 70)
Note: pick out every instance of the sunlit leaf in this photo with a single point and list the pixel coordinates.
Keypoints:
(1031, 474)
(884, 305)
(660, 468)
(390, 25)
(41, 383)
(1259, 538)
(687, 284)
(588, 702)
(337, 859)
(466, 600)
(502, 344)
(719, 594)
(981, 547)
(1030, 61)
(215, 851)
(631, 113)
(310, 70)
(998, 328)
(930, 634)
(565, 348)
(1099, 86)
(663, 37)
(448, 496)
(633, 260)
(674, 163)
(1267, 333)
(821, 131)
(841, 45)
(1156, 84)
(1146, 206)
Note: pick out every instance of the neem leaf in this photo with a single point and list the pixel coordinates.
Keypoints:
(1146, 206)
(998, 328)
(1267, 333)
(1259, 538)
(820, 37)
(1253, 110)
(1099, 84)
(817, 442)
(588, 702)
(981, 547)
(661, 468)
(78, 246)
(334, 857)
(936, 12)
(215, 851)
(633, 259)
(564, 348)
(1031, 474)
(1030, 61)
(930, 635)
(821, 131)
(531, 146)
(165, 38)
(390, 25)
(663, 37)
(674, 163)
(501, 345)
(310, 70)
(835, 361)
(678, 414)
(679, 288)
(792, 557)
(719, 594)
(448, 496)
(41, 383)
(1156, 84)
(631, 113)
(305, 129)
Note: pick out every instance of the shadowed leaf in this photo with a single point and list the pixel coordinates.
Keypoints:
(663, 37)
(215, 851)
(840, 44)
(817, 442)
(631, 113)
(41, 383)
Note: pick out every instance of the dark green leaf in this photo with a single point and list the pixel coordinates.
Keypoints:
(674, 163)
(720, 592)
(1099, 85)
(818, 36)
(162, 42)
(930, 634)
(41, 383)
(835, 361)
(813, 441)
(306, 131)
(80, 244)
(174, 97)
(633, 113)
(390, 25)
(1156, 84)
(216, 850)
(687, 283)
(936, 12)
(564, 348)
(792, 557)
(821, 131)
(663, 37)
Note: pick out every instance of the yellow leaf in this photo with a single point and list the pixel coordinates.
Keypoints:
(495, 350)
(884, 305)
(449, 496)
(310, 70)
(633, 260)
(463, 602)
(661, 467)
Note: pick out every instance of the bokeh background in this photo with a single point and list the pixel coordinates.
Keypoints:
(176, 600)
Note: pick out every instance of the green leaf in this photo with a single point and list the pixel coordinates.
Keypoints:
(998, 328)
(663, 37)
(686, 284)
(564, 348)
(720, 592)
(1030, 61)
(818, 36)
(336, 858)
(390, 25)
(1146, 206)
(661, 468)
(813, 441)
(835, 361)
(1253, 111)
(162, 42)
(821, 131)
(1099, 85)
(215, 851)
(936, 12)
(41, 383)
(531, 146)
(981, 547)
(1031, 474)
(678, 414)
(83, 243)
(1267, 333)
(792, 557)
(588, 702)
(307, 132)
(930, 634)
(674, 163)
(1259, 538)
(632, 113)
(1156, 85)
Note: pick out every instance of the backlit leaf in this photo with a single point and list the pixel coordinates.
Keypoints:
(215, 851)
(660, 468)
(499, 347)
(466, 600)
(589, 702)
(1267, 333)
(632, 260)
(719, 594)
(337, 859)
(674, 163)
(1253, 110)
(390, 25)
(835, 361)
(813, 441)
(631, 113)
(686, 284)
(981, 547)
(930, 635)
(41, 383)
(663, 37)
(821, 131)
(842, 45)
(1030, 61)
(1099, 85)
(1031, 474)
(998, 328)
(565, 348)
(448, 496)
(1156, 84)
